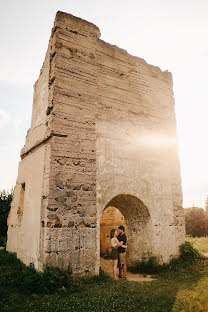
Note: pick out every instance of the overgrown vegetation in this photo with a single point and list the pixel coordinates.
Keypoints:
(15, 274)
(188, 255)
(181, 285)
(201, 243)
(5, 202)
(22, 288)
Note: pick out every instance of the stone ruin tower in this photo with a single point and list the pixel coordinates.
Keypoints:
(103, 134)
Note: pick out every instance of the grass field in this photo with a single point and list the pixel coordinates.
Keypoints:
(23, 289)
(201, 243)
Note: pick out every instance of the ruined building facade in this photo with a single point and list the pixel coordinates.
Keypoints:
(103, 133)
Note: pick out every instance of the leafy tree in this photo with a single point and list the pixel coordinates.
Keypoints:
(5, 203)
(195, 222)
(206, 204)
(206, 214)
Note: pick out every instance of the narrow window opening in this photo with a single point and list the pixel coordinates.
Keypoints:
(22, 198)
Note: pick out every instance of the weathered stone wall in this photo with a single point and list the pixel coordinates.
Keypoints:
(102, 134)
(24, 226)
(137, 148)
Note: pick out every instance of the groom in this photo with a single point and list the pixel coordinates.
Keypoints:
(122, 252)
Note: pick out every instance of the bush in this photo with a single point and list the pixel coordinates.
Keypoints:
(8, 258)
(57, 278)
(33, 282)
(14, 273)
(50, 280)
(188, 255)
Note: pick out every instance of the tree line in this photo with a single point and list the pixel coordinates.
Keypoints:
(196, 221)
(5, 203)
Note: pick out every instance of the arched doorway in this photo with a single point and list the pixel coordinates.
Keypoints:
(135, 215)
(111, 218)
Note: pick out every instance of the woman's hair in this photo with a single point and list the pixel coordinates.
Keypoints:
(112, 233)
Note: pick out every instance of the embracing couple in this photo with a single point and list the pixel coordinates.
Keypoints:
(119, 247)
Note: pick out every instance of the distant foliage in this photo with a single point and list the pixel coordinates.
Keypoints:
(196, 222)
(206, 204)
(5, 203)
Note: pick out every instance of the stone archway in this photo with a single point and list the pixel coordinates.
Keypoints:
(111, 218)
(138, 222)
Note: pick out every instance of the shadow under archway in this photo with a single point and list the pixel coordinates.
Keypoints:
(138, 221)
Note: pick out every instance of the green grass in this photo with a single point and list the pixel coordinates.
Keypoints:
(23, 289)
(201, 243)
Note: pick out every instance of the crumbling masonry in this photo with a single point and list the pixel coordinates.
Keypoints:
(103, 133)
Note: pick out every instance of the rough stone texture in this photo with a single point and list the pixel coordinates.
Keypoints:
(103, 133)
(111, 219)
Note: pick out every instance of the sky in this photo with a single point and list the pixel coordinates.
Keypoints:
(166, 33)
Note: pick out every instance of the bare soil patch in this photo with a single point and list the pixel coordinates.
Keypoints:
(107, 267)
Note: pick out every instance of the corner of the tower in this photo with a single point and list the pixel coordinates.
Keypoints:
(75, 25)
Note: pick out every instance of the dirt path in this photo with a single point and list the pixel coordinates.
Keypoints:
(107, 265)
